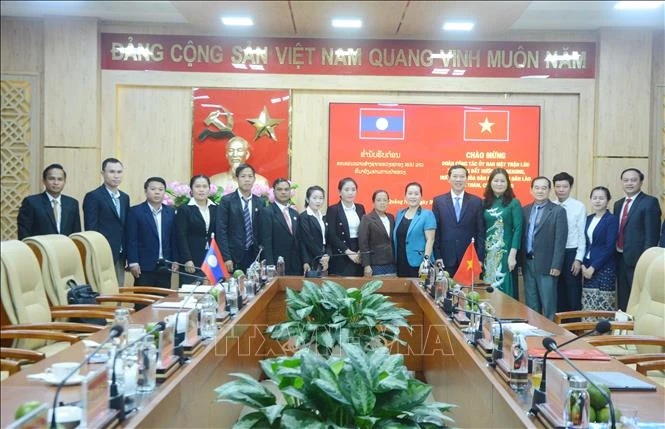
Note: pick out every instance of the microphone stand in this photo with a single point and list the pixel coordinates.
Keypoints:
(497, 351)
(540, 394)
(256, 265)
(115, 332)
(179, 349)
(551, 346)
(116, 399)
(488, 289)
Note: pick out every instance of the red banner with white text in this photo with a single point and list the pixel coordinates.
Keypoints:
(386, 146)
(436, 58)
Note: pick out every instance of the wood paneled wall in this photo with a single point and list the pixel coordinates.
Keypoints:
(144, 118)
(154, 126)
(567, 115)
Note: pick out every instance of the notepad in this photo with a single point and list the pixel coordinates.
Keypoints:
(574, 354)
(189, 303)
(199, 288)
(526, 330)
(616, 380)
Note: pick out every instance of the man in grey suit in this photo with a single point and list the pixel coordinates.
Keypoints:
(639, 225)
(544, 247)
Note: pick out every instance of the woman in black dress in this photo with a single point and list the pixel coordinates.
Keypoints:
(195, 222)
(311, 231)
(344, 219)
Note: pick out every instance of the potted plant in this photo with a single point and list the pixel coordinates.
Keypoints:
(366, 389)
(327, 316)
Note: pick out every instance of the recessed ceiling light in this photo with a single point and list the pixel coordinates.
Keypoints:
(638, 5)
(347, 23)
(238, 21)
(458, 26)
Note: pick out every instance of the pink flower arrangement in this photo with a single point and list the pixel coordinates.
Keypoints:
(178, 194)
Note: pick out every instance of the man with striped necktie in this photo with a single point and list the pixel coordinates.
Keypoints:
(238, 218)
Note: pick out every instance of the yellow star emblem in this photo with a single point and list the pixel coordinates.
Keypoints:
(264, 124)
(469, 264)
(486, 126)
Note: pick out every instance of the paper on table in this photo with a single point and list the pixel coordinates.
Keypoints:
(199, 288)
(185, 303)
(616, 380)
(526, 330)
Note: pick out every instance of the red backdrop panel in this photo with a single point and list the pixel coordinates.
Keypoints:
(269, 158)
(388, 146)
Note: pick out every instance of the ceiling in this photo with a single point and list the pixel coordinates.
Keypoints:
(381, 19)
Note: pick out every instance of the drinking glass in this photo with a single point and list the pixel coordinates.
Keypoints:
(271, 272)
(250, 289)
(147, 367)
(536, 372)
(135, 331)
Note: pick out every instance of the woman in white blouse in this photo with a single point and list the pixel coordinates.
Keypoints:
(195, 222)
(376, 238)
(598, 267)
(344, 220)
(311, 231)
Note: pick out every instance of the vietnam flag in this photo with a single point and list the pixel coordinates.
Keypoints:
(213, 265)
(469, 268)
(487, 125)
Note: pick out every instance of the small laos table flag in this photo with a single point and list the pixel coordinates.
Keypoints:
(213, 265)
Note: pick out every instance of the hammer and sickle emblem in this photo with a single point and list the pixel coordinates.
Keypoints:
(215, 119)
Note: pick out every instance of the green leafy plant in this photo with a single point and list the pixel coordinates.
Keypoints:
(370, 389)
(331, 315)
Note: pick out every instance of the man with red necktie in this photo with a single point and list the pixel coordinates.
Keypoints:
(639, 229)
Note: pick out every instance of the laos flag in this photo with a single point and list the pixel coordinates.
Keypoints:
(381, 124)
(213, 265)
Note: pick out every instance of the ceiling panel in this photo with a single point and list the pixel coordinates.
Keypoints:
(270, 17)
(380, 18)
(137, 11)
(425, 19)
(585, 15)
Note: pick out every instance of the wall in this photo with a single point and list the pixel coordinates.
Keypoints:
(600, 126)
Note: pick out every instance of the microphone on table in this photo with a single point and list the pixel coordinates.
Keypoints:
(116, 331)
(256, 265)
(178, 349)
(116, 399)
(550, 345)
(539, 395)
(449, 307)
(497, 350)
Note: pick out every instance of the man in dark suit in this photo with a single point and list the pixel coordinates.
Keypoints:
(639, 226)
(278, 229)
(238, 216)
(105, 211)
(459, 218)
(544, 245)
(50, 212)
(151, 237)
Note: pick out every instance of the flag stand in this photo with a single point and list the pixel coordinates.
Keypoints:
(472, 266)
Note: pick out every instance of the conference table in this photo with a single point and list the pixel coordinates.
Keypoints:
(437, 351)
